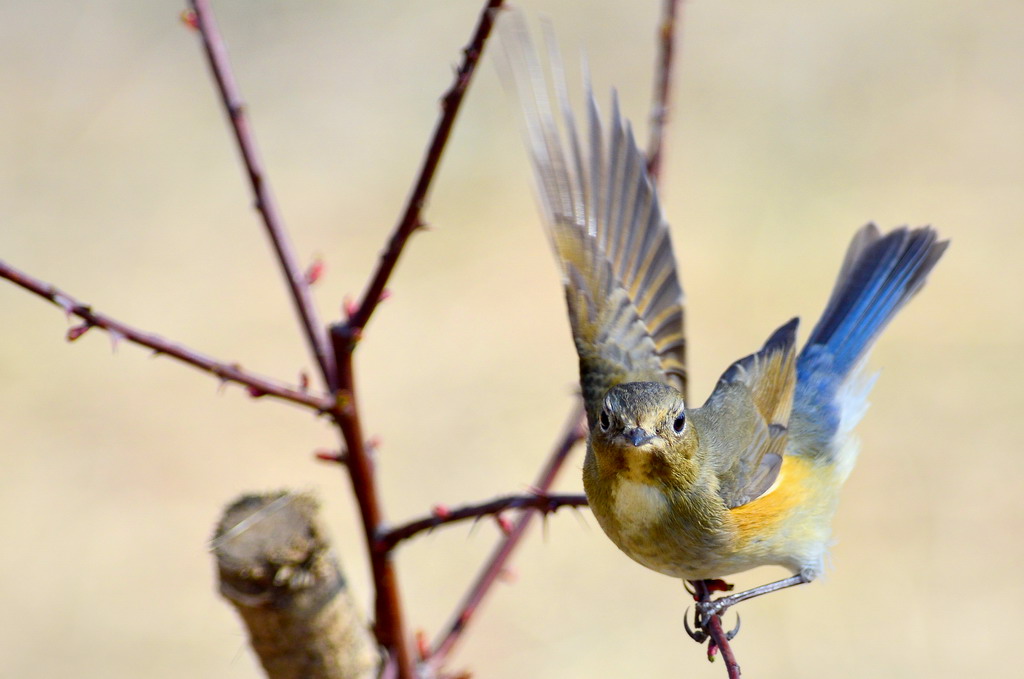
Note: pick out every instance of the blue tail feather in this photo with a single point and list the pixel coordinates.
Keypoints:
(880, 274)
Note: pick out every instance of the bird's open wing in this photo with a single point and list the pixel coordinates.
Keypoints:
(747, 415)
(623, 292)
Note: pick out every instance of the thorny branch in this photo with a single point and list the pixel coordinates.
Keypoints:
(575, 431)
(441, 515)
(234, 106)
(228, 372)
(411, 219)
(390, 629)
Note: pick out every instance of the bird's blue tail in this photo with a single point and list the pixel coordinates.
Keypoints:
(880, 273)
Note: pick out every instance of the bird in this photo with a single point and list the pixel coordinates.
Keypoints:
(752, 476)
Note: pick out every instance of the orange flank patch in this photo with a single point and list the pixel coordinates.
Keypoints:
(765, 515)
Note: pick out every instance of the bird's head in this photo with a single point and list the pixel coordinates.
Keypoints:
(643, 432)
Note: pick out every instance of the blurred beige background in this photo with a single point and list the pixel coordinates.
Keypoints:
(794, 123)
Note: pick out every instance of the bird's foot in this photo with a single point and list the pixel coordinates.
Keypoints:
(707, 609)
(702, 620)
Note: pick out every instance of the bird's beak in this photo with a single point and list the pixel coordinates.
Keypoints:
(637, 436)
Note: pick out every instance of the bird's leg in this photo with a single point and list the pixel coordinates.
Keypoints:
(708, 608)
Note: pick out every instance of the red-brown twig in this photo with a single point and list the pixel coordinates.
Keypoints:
(228, 372)
(234, 106)
(661, 105)
(575, 431)
(440, 516)
(718, 637)
(389, 625)
(411, 216)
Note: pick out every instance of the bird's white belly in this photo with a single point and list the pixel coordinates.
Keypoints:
(638, 505)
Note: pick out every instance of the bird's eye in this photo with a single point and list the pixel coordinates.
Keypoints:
(679, 423)
(605, 421)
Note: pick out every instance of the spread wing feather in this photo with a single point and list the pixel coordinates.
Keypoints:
(622, 289)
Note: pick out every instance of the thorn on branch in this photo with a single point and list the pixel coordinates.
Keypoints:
(503, 523)
(303, 381)
(77, 331)
(349, 307)
(189, 18)
(315, 271)
(422, 644)
(224, 375)
(255, 391)
(116, 338)
(64, 303)
(335, 456)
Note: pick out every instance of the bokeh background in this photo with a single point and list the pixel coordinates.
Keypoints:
(794, 123)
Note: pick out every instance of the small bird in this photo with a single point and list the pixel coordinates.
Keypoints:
(752, 477)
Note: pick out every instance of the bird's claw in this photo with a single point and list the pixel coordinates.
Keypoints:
(731, 634)
(698, 635)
